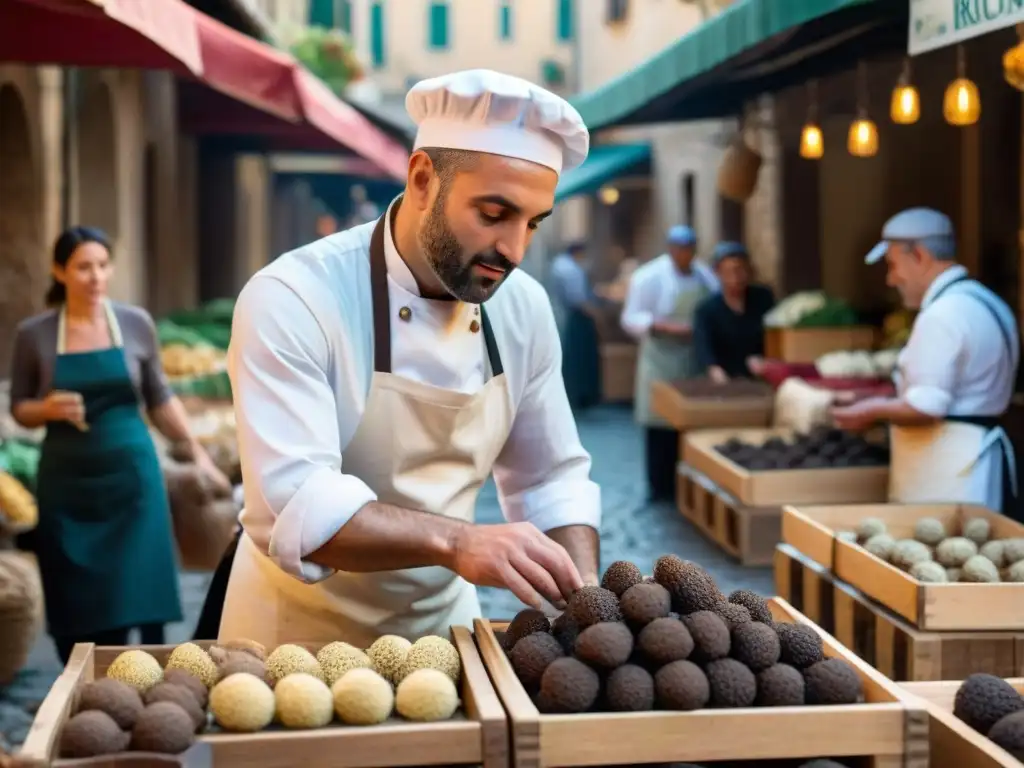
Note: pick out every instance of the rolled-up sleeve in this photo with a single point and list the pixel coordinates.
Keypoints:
(288, 415)
(638, 313)
(931, 365)
(543, 471)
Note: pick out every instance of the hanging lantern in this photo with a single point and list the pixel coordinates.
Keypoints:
(863, 138)
(608, 195)
(738, 171)
(812, 142)
(905, 108)
(1013, 66)
(962, 103)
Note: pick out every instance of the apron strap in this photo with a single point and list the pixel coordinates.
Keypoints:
(114, 327)
(382, 310)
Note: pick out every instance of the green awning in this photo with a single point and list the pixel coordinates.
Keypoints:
(743, 26)
(604, 163)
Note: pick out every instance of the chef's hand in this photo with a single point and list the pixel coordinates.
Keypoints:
(755, 364)
(858, 417)
(517, 557)
(717, 375)
(64, 406)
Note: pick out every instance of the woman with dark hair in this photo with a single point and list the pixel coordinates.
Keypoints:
(84, 370)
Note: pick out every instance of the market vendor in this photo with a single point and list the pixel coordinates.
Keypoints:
(577, 315)
(954, 378)
(375, 392)
(82, 370)
(729, 326)
(663, 295)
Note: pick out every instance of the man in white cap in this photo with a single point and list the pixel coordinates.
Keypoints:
(954, 378)
(375, 392)
(660, 305)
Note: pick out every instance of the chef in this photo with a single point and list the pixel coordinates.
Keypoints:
(954, 377)
(663, 296)
(380, 375)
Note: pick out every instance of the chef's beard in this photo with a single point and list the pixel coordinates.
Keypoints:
(445, 255)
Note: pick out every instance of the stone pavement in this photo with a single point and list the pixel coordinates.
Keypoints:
(632, 530)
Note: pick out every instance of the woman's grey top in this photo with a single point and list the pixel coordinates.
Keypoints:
(35, 352)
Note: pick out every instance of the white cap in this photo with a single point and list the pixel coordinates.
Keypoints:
(908, 226)
(484, 111)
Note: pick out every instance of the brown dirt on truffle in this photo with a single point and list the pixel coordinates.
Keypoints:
(664, 641)
(629, 688)
(643, 603)
(681, 686)
(711, 637)
(532, 655)
(620, 576)
(526, 622)
(568, 686)
(592, 605)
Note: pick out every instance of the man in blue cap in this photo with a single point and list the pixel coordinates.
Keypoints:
(663, 295)
(954, 378)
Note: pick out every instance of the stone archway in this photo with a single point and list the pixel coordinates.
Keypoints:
(96, 185)
(22, 264)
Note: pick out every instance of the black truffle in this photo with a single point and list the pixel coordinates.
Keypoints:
(780, 686)
(983, 700)
(691, 587)
(568, 686)
(756, 645)
(732, 684)
(119, 700)
(756, 605)
(832, 681)
(643, 603)
(665, 640)
(565, 631)
(800, 645)
(532, 655)
(1008, 733)
(629, 689)
(526, 623)
(710, 635)
(592, 605)
(732, 614)
(620, 576)
(681, 685)
(607, 644)
(190, 681)
(180, 695)
(163, 727)
(90, 734)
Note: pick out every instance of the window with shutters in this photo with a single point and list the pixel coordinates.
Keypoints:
(377, 41)
(566, 20)
(616, 11)
(438, 25)
(505, 20)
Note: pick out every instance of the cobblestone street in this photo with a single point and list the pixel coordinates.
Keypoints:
(632, 530)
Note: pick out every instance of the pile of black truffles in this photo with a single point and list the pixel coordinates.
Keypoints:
(821, 448)
(670, 642)
(706, 389)
(992, 707)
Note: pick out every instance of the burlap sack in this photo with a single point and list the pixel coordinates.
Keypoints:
(204, 524)
(21, 611)
(738, 171)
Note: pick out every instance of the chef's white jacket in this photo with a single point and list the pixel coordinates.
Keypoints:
(301, 362)
(654, 289)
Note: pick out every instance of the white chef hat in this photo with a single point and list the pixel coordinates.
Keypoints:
(484, 111)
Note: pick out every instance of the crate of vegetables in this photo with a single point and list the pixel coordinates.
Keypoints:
(939, 566)
(772, 467)
(702, 403)
(395, 704)
(978, 723)
(669, 669)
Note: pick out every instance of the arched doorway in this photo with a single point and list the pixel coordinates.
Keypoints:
(96, 180)
(22, 263)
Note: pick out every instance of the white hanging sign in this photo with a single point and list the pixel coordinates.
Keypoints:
(938, 23)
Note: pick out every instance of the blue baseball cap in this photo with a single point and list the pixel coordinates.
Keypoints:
(728, 248)
(681, 235)
(908, 226)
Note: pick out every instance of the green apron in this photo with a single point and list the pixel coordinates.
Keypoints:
(667, 359)
(105, 547)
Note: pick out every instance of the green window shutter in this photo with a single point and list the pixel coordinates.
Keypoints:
(321, 13)
(438, 25)
(377, 43)
(566, 20)
(505, 20)
(344, 20)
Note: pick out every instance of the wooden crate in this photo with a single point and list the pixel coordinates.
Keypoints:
(886, 642)
(885, 728)
(476, 736)
(618, 371)
(747, 533)
(954, 744)
(685, 413)
(772, 488)
(805, 345)
(813, 531)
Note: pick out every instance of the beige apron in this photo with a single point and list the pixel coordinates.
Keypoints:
(417, 446)
(667, 359)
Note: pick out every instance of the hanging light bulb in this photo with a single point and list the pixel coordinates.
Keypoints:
(812, 143)
(863, 138)
(905, 108)
(608, 195)
(962, 103)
